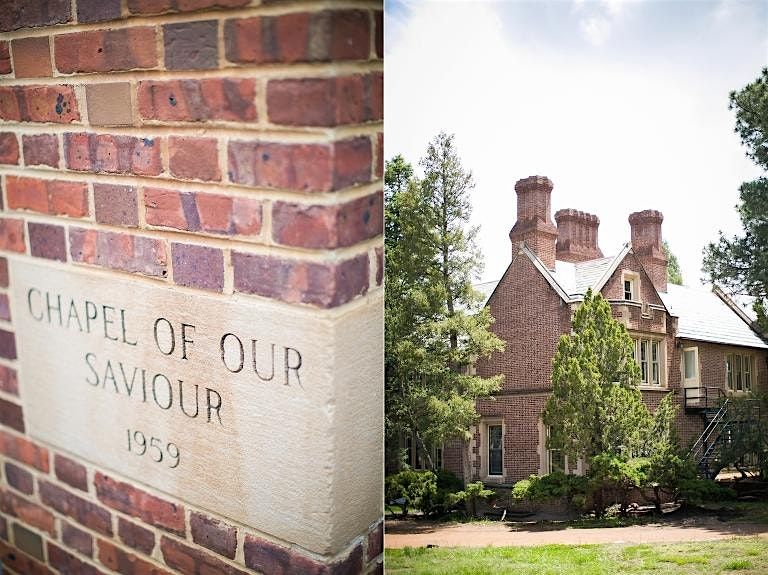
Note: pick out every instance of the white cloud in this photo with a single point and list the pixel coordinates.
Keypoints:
(595, 29)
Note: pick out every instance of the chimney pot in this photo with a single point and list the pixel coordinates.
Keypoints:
(534, 221)
(577, 236)
(646, 239)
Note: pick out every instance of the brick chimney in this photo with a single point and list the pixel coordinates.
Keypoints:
(646, 243)
(534, 223)
(577, 236)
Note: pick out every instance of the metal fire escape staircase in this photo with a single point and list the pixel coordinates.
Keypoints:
(721, 421)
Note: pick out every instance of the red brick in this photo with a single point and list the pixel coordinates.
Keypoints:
(26, 511)
(191, 561)
(12, 235)
(352, 564)
(3, 529)
(267, 557)
(56, 104)
(136, 536)
(32, 57)
(136, 254)
(9, 148)
(41, 149)
(28, 541)
(81, 510)
(5, 307)
(116, 205)
(5, 57)
(321, 36)
(228, 215)
(24, 451)
(158, 6)
(7, 344)
(106, 50)
(213, 534)
(70, 472)
(113, 154)
(191, 45)
(198, 266)
(11, 415)
(18, 478)
(296, 281)
(328, 226)
(29, 13)
(379, 32)
(20, 563)
(246, 216)
(379, 265)
(325, 101)
(194, 158)
(379, 155)
(53, 197)
(164, 208)
(197, 100)
(47, 241)
(375, 543)
(4, 272)
(277, 165)
(9, 382)
(67, 564)
(77, 539)
(128, 499)
(97, 10)
(352, 162)
(126, 563)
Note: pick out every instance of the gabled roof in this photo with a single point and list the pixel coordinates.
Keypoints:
(706, 315)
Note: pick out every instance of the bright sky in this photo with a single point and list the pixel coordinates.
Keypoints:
(623, 105)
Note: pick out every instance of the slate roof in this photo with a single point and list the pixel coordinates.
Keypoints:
(703, 315)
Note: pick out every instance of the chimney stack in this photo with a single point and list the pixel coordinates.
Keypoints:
(534, 223)
(646, 243)
(577, 236)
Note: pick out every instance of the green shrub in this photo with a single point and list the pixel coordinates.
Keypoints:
(444, 498)
(551, 486)
(412, 488)
(698, 491)
(471, 494)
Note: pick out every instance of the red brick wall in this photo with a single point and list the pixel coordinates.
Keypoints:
(230, 146)
(614, 287)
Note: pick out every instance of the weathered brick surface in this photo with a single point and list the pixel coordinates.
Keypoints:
(53, 197)
(191, 45)
(24, 451)
(3, 272)
(9, 148)
(126, 563)
(66, 563)
(113, 154)
(194, 158)
(213, 534)
(19, 478)
(21, 563)
(137, 503)
(297, 281)
(28, 541)
(124, 252)
(136, 536)
(5, 57)
(57, 104)
(11, 415)
(106, 50)
(267, 557)
(71, 472)
(97, 10)
(28, 13)
(192, 561)
(109, 104)
(76, 539)
(30, 513)
(5, 308)
(159, 6)
(48, 241)
(197, 100)
(7, 344)
(116, 205)
(12, 235)
(9, 382)
(81, 510)
(41, 149)
(32, 57)
(198, 266)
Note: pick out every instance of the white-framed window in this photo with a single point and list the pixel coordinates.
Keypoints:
(493, 448)
(551, 460)
(691, 366)
(415, 458)
(630, 282)
(556, 459)
(649, 355)
(739, 371)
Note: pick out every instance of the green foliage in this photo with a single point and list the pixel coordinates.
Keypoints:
(551, 486)
(434, 328)
(674, 274)
(740, 264)
(471, 494)
(697, 491)
(413, 488)
(444, 498)
(747, 433)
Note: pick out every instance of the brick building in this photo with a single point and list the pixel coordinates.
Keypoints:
(691, 342)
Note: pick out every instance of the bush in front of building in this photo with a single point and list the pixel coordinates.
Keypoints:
(554, 485)
(696, 491)
(410, 489)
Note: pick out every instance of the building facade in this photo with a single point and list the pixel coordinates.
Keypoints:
(690, 342)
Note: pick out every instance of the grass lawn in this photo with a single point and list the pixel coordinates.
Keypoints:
(743, 555)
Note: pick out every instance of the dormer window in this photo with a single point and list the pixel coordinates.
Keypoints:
(628, 289)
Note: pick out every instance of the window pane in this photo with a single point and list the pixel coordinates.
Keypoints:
(737, 369)
(439, 457)
(644, 360)
(729, 370)
(494, 450)
(628, 289)
(689, 359)
(556, 460)
(747, 372)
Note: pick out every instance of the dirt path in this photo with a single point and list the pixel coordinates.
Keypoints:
(420, 534)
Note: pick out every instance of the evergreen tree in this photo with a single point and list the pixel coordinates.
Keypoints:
(674, 274)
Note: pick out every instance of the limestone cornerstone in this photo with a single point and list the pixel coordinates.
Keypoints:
(190, 286)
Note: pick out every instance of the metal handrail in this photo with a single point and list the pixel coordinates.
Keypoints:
(703, 439)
